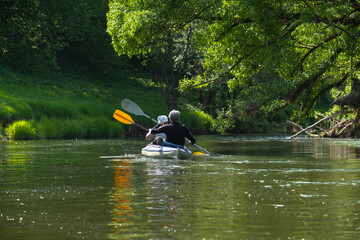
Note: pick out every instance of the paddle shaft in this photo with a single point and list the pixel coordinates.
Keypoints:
(141, 126)
(203, 149)
(150, 118)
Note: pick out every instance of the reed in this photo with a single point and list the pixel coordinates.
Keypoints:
(85, 127)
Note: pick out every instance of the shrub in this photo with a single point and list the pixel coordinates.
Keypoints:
(196, 120)
(22, 110)
(6, 112)
(21, 130)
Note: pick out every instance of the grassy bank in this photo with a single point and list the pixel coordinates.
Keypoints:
(77, 105)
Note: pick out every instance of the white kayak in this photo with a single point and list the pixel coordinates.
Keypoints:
(159, 151)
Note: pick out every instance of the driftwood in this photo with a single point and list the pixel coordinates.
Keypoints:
(313, 125)
(296, 126)
(345, 127)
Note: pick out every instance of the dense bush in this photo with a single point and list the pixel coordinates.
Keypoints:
(21, 130)
(196, 120)
(6, 112)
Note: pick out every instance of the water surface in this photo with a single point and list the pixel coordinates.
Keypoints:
(254, 187)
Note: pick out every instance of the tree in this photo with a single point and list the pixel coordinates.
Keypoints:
(171, 56)
(310, 46)
(33, 34)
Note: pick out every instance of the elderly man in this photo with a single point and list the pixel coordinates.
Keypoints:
(175, 132)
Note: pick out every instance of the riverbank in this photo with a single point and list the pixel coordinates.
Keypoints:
(70, 104)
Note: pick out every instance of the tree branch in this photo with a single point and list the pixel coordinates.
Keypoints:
(288, 32)
(324, 90)
(313, 125)
(311, 51)
(293, 96)
(355, 4)
(246, 20)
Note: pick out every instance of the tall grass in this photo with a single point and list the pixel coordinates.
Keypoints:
(85, 127)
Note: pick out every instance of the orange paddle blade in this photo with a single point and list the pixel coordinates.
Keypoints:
(198, 153)
(123, 117)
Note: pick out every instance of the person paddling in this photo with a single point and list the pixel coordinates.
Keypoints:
(160, 137)
(175, 132)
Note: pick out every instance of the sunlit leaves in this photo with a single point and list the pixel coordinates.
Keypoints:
(310, 45)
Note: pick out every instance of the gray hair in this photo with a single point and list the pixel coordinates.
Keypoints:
(174, 115)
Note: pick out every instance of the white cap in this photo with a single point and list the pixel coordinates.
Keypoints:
(162, 118)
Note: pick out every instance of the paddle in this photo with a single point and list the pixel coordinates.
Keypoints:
(133, 108)
(126, 119)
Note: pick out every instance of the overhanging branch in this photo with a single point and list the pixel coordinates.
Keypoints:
(311, 51)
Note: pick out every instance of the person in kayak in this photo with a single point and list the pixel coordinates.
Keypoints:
(175, 132)
(160, 137)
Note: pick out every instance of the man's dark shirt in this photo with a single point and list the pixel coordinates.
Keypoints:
(175, 133)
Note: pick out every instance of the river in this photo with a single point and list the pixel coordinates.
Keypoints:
(252, 187)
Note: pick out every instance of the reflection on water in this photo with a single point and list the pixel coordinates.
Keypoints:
(122, 195)
(318, 149)
(253, 187)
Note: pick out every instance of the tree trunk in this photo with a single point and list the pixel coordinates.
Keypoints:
(175, 86)
(171, 69)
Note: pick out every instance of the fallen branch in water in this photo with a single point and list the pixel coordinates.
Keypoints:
(313, 125)
(296, 126)
(346, 126)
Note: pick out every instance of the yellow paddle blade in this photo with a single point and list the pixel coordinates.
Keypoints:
(123, 117)
(198, 153)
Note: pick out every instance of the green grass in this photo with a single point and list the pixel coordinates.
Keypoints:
(21, 130)
(76, 105)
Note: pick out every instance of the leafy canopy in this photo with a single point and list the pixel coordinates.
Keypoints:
(308, 47)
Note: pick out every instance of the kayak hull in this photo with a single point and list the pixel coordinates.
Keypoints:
(157, 151)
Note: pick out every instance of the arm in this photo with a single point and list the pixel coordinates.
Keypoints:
(149, 136)
(188, 134)
(151, 133)
(156, 126)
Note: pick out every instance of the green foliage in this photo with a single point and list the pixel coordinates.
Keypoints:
(59, 110)
(303, 48)
(36, 35)
(196, 120)
(21, 130)
(6, 112)
(1, 130)
(230, 122)
(86, 127)
(49, 128)
(225, 122)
